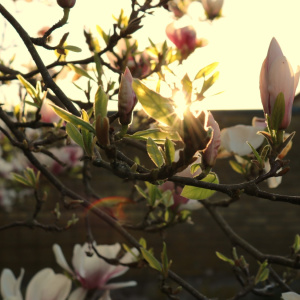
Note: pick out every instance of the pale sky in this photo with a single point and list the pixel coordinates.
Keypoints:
(238, 41)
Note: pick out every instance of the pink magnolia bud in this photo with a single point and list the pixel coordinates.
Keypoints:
(127, 98)
(277, 76)
(210, 153)
(184, 38)
(66, 3)
(212, 7)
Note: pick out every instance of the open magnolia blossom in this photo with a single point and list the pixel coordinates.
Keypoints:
(233, 140)
(290, 296)
(45, 285)
(277, 76)
(93, 272)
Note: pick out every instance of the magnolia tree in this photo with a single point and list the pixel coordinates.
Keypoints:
(48, 131)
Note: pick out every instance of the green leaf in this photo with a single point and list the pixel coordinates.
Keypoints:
(209, 82)
(263, 273)
(153, 193)
(143, 242)
(65, 115)
(195, 168)
(80, 71)
(169, 151)
(100, 103)
(152, 261)
(103, 34)
(197, 193)
(167, 198)
(278, 112)
(155, 105)
(28, 86)
(30, 175)
(74, 134)
(141, 191)
(296, 245)
(206, 70)
(154, 153)
(165, 261)
(73, 48)
(157, 135)
(98, 66)
(236, 167)
(224, 258)
(187, 87)
(21, 179)
(256, 154)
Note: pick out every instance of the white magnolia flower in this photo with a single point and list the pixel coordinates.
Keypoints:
(93, 272)
(45, 285)
(290, 296)
(233, 139)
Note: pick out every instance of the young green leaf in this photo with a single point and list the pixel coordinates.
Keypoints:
(28, 86)
(187, 88)
(141, 191)
(65, 115)
(80, 71)
(154, 153)
(224, 258)
(143, 242)
(103, 34)
(256, 154)
(209, 82)
(237, 167)
(169, 151)
(74, 134)
(155, 105)
(263, 273)
(21, 179)
(192, 192)
(157, 135)
(296, 245)
(206, 70)
(73, 48)
(153, 193)
(152, 261)
(100, 103)
(195, 168)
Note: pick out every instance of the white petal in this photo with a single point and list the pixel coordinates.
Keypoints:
(273, 182)
(234, 139)
(35, 286)
(290, 296)
(60, 258)
(46, 285)
(79, 260)
(10, 286)
(60, 287)
(119, 285)
(105, 296)
(78, 294)
(191, 205)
